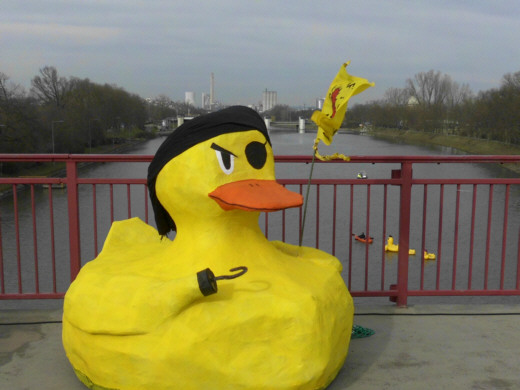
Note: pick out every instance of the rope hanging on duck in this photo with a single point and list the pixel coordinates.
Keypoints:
(330, 118)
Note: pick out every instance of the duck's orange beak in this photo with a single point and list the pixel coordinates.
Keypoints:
(255, 195)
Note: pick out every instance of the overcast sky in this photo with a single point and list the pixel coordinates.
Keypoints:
(294, 47)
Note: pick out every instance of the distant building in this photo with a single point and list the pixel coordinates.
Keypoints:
(269, 100)
(189, 98)
(319, 103)
(412, 101)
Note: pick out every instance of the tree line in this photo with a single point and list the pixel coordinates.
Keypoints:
(73, 115)
(433, 102)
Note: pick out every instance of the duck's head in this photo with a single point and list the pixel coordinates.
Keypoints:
(215, 164)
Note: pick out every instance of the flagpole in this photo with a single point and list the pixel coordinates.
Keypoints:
(307, 198)
(329, 120)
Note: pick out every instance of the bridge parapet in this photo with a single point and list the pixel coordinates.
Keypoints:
(471, 225)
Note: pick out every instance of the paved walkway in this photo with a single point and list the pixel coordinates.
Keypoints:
(472, 347)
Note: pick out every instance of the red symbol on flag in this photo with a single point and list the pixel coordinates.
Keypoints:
(333, 97)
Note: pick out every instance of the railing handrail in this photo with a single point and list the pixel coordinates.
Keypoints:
(387, 159)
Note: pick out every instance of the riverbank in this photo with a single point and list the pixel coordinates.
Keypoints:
(58, 169)
(465, 144)
(474, 146)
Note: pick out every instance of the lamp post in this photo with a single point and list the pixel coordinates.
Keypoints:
(90, 133)
(1, 162)
(52, 133)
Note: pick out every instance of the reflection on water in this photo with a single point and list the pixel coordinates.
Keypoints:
(350, 205)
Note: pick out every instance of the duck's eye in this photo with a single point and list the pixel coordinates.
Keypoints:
(225, 158)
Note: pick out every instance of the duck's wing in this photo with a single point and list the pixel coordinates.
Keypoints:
(309, 254)
(133, 234)
(116, 293)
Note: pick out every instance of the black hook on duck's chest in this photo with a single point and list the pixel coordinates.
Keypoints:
(208, 281)
(242, 270)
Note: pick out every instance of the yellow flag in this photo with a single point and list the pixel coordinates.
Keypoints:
(343, 87)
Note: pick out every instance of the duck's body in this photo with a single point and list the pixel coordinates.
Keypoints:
(391, 247)
(429, 256)
(135, 317)
(271, 328)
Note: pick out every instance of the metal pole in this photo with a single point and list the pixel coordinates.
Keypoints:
(90, 133)
(306, 199)
(404, 234)
(1, 162)
(52, 133)
(73, 208)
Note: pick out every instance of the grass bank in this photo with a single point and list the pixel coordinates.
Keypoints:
(58, 169)
(468, 145)
(465, 144)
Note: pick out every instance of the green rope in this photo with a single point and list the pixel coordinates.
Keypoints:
(359, 332)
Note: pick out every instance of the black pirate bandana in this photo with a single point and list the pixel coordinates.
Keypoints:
(229, 120)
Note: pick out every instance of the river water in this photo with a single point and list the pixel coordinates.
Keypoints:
(284, 143)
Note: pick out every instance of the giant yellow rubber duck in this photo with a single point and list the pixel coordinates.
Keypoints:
(149, 312)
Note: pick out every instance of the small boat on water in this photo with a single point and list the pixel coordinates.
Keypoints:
(362, 238)
(391, 247)
(362, 175)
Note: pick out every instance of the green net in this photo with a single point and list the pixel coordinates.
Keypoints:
(359, 332)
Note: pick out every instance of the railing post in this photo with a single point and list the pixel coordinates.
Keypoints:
(73, 207)
(404, 233)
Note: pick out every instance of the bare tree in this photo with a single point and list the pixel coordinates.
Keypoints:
(397, 96)
(49, 87)
(430, 88)
(458, 94)
(511, 80)
(9, 90)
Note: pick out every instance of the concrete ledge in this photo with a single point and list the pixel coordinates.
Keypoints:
(30, 316)
(418, 347)
(448, 309)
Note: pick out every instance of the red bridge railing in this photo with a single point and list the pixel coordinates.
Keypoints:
(472, 225)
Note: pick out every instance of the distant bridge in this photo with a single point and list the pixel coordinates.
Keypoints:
(165, 132)
(298, 126)
(282, 126)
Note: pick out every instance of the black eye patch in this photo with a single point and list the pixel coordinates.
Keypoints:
(256, 154)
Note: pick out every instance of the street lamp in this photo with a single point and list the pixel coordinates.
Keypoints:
(1, 162)
(90, 133)
(52, 133)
